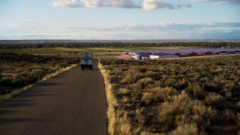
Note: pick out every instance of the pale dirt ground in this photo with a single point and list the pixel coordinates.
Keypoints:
(126, 57)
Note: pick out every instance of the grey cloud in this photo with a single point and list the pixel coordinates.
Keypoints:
(163, 26)
(146, 4)
(228, 2)
(94, 3)
(161, 30)
(67, 3)
(156, 4)
(188, 5)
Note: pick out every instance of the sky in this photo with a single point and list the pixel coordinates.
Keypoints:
(119, 19)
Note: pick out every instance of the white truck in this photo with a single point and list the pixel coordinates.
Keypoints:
(86, 60)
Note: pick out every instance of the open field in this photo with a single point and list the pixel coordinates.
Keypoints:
(62, 49)
(20, 70)
(177, 97)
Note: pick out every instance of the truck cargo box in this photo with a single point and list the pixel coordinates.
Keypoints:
(86, 60)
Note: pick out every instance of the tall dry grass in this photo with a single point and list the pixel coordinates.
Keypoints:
(159, 94)
(14, 93)
(182, 96)
(111, 100)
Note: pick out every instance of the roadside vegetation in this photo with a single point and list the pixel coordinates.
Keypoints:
(21, 70)
(196, 96)
(106, 44)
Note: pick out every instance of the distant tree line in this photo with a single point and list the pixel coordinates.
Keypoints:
(84, 45)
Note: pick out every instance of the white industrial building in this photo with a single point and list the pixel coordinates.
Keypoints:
(173, 53)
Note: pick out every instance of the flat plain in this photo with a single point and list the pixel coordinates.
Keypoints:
(62, 49)
(152, 97)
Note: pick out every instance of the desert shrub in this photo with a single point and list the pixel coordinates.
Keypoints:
(215, 99)
(137, 76)
(124, 91)
(126, 129)
(153, 75)
(202, 83)
(159, 83)
(142, 83)
(169, 110)
(187, 129)
(159, 94)
(238, 105)
(132, 78)
(196, 91)
(122, 125)
(181, 98)
(127, 79)
(228, 95)
(169, 82)
(229, 114)
(206, 113)
(190, 119)
(181, 84)
(147, 133)
(238, 120)
(20, 70)
(219, 63)
(202, 80)
(182, 109)
(118, 73)
(211, 86)
(230, 87)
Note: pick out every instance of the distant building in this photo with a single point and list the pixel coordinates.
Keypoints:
(156, 54)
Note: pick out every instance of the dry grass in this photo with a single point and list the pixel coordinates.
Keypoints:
(124, 91)
(229, 114)
(159, 94)
(187, 129)
(8, 96)
(20, 72)
(215, 99)
(111, 100)
(144, 82)
(175, 97)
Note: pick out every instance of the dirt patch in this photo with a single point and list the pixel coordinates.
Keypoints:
(124, 56)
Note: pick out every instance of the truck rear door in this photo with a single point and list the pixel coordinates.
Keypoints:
(86, 58)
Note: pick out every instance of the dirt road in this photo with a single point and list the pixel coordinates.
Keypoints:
(72, 103)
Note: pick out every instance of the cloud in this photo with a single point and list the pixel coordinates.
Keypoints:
(156, 4)
(164, 27)
(95, 3)
(168, 30)
(228, 2)
(146, 5)
(67, 3)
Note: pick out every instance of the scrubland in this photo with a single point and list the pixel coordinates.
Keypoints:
(173, 97)
(87, 49)
(21, 70)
